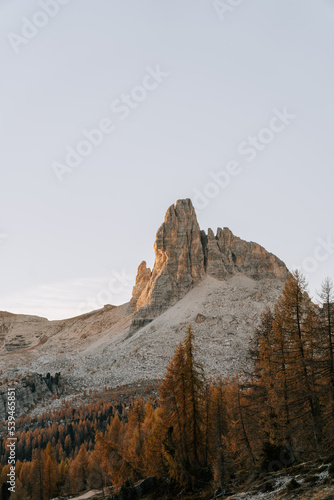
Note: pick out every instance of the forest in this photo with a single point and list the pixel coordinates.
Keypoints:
(197, 433)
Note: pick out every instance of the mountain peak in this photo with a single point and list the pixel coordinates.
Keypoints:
(179, 261)
(184, 255)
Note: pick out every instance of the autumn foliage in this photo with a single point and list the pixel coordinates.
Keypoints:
(195, 432)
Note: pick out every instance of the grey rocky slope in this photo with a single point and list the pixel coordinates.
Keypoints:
(31, 391)
(218, 283)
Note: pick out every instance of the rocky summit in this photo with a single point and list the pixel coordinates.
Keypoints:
(184, 254)
(218, 283)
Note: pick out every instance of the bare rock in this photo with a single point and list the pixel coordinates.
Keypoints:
(184, 255)
(200, 318)
(143, 277)
(249, 258)
(179, 260)
(217, 264)
(30, 390)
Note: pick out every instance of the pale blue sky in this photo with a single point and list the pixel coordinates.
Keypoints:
(71, 246)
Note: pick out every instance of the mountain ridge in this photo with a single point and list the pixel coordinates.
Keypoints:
(218, 283)
(184, 254)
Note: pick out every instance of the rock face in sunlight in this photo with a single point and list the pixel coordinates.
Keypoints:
(144, 275)
(184, 255)
(227, 255)
(179, 261)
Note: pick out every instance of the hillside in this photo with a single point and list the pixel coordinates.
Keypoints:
(219, 284)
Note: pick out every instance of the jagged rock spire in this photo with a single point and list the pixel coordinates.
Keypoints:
(179, 259)
(184, 255)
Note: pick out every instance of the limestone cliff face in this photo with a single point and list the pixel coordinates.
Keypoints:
(227, 255)
(179, 261)
(144, 275)
(31, 390)
(184, 255)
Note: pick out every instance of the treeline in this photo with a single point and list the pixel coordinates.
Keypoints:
(203, 433)
(66, 430)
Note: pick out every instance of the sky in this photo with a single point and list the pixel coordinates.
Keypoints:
(111, 111)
